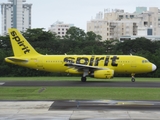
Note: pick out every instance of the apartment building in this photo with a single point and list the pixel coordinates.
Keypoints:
(16, 14)
(116, 23)
(60, 28)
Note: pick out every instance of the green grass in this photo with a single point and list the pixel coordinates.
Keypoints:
(74, 79)
(81, 93)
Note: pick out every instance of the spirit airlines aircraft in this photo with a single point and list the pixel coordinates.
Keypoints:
(97, 66)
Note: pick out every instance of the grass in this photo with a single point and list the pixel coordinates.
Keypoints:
(81, 93)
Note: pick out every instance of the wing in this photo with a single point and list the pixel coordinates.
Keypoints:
(81, 67)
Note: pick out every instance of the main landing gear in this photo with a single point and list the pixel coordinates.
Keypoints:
(83, 79)
(133, 78)
(85, 73)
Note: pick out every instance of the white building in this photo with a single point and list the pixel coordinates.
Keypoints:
(15, 14)
(117, 23)
(60, 28)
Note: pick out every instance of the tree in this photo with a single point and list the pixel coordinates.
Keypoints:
(74, 33)
(134, 46)
(110, 46)
(5, 42)
(41, 39)
(91, 36)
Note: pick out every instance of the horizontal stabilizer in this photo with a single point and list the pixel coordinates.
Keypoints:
(14, 59)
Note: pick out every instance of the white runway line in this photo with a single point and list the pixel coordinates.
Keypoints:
(1, 83)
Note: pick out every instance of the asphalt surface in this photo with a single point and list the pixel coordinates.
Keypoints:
(80, 109)
(105, 105)
(80, 84)
(47, 110)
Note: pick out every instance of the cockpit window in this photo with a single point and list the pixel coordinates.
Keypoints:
(145, 61)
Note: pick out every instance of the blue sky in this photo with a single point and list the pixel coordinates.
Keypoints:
(77, 12)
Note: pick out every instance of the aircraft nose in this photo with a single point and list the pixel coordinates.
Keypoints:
(154, 67)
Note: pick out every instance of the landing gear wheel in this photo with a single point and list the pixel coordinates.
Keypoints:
(133, 79)
(83, 79)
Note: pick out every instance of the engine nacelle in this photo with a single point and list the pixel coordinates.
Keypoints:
(103, 74)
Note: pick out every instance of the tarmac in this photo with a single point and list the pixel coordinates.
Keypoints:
(80, 109)
(79, 84)
(40, 110)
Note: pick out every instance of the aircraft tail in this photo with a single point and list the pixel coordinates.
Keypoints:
(20, 45)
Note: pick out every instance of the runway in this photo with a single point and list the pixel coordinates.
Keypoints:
(79, 84)
(47, 110)
(105, 105)
(79, 109)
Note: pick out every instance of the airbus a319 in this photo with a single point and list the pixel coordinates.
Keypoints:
(97, 66)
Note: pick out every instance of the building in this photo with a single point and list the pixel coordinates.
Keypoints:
(140, 10)
(60, 28)
(113, 25)
(15, 14)
(117, 23)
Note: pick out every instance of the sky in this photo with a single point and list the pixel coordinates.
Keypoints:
(77, 12)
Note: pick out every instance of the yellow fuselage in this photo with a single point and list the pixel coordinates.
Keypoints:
(57, 63)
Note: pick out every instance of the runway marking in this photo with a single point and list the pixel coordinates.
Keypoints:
(1, 83)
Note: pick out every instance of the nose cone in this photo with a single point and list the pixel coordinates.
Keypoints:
(154, 67)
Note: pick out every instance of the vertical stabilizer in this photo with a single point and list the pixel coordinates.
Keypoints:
(20, 45)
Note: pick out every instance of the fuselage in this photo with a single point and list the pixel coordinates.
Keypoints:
(57, 63)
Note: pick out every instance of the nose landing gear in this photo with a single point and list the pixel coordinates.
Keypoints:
(133, 78)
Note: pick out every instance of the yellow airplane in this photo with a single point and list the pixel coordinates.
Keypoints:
(97, 66)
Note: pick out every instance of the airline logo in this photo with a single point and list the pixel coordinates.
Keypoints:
(20, 42)
(92, 61)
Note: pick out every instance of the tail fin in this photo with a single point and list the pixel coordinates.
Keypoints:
(20, 45)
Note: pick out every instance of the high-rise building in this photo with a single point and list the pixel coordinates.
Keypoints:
(15, 14)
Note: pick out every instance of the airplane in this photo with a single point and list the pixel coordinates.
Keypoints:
(97, 66)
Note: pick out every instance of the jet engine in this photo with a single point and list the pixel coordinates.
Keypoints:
(103, 74)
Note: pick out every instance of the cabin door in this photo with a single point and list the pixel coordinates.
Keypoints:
(133, 65)
(40, 62)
